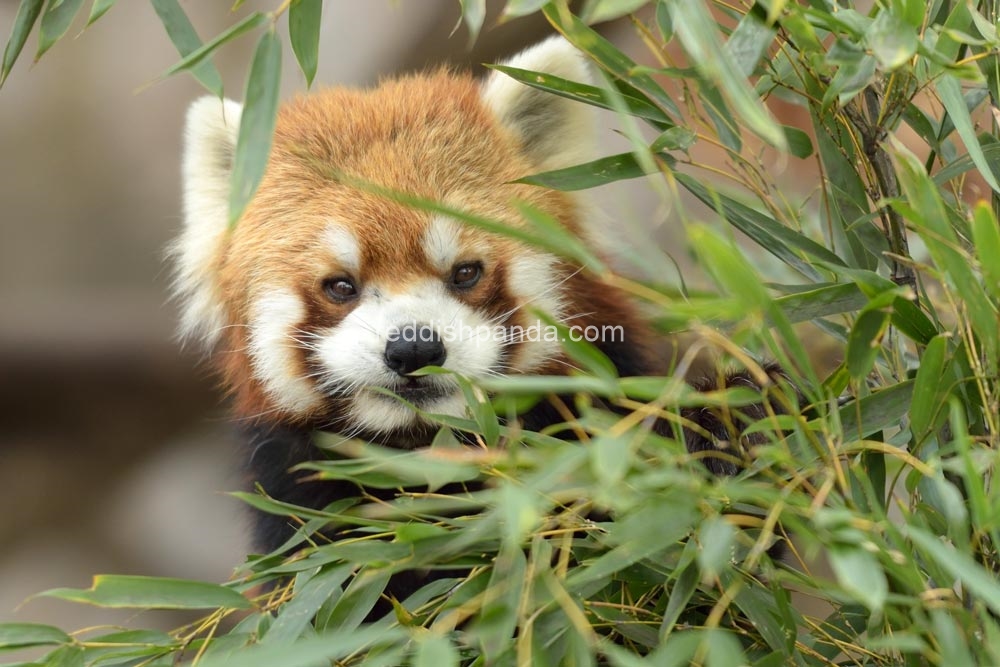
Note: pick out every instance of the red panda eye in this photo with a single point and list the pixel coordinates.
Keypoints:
(340, 289)
(467, 275)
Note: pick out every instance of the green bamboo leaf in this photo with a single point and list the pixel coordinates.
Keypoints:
(959, 565)
(601, 11)
(685, 584)
(723, 649)
(27, 14)
(516, 8)
(906, 314)
(99, 9)
(304, 18)
(822, 302)
(728, 267)
(960, 165)
(891, 40)
(726, 127)
(294, 617)
(717, 538)
(473, 13)
(670, 527)
(435, 651)
(539, 385)
(483, 413)
(950, 92)
(986, 236)
(929, 393)
(260, 110)
(876, 412)
(591, 174)
(56, 20)
(609, 57)
(799, 143)
(322, 649)
(850, 80)
(749, 41)
(184, 38)
(926, 210)
(66, 656)
(192, 59)
(949, 636)
(673, 139)
(388, 468)
(121, 591)
(860, 574)
(847, 193)
(864, 341)
(636, 103)
(698, 32)
(23, 635)
(772, 236)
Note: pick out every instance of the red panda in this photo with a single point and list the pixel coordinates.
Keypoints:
(306, 302)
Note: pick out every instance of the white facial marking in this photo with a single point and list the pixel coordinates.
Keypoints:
(536, 284)
(353, 353)
(441, 243)
(273, 321)
(344, 247)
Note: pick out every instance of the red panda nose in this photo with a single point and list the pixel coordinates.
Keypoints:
(413, 348)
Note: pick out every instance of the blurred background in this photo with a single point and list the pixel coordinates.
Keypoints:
(115, 453)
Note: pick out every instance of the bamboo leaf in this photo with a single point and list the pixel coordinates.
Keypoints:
(435, 651)
(260, 110)
(198, 55)
(184, 38)
(56, 20)
(515, 8)
(864, 341)
(24, 21)
(950, 92)
(891, 40)
(877, 411)
(698, 33)
(22, 635)
(473, 13)
(304, 20)
(636, 103)
(294, 617)
(749, 41)
(959, 565)
(323, 649)
(591, 174)
(771, 235)
(860, 574)
(929, 394)
(122, 591)
(925, 208)
(609, 57)
(986, 236)
(99, 9)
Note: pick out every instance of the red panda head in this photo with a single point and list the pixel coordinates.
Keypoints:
(325, 294)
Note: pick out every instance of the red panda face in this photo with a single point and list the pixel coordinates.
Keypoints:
(327, 296)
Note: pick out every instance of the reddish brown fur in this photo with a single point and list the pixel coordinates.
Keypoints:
(426, 135)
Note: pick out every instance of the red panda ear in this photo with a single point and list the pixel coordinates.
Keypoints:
(209, 146)
(555, 132)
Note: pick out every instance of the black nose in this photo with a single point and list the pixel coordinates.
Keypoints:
(413, 348)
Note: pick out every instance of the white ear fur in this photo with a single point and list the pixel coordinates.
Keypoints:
(209, 147)
(555, 132)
